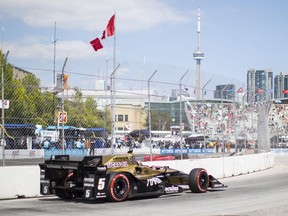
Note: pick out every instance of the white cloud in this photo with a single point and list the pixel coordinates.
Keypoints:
(73, 49)
(91, 15)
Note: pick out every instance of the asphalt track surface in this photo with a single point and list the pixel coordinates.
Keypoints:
(261, 193)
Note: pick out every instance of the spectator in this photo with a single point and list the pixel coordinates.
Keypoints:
(217, 144)
(88, 146)
(47, 143)
(79, 144)
(228, 147)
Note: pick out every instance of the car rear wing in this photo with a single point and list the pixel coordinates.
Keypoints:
(89, 175)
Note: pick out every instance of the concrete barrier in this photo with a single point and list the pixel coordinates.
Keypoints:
(19, 181)
(24, 181)
(222, 167)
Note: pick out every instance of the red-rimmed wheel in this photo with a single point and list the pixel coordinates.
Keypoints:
(65, 193)
(118, 187)
(198, 180)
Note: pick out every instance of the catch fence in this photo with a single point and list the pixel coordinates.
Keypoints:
(35, 126)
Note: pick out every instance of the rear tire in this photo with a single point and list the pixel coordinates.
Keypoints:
(118, 187)
(198, 180)
(65, 193)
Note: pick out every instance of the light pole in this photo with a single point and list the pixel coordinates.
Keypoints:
(105, 77)
(222, 121)
(252, 119)
(204, 140)
(244, 119)
(3, 122)
(149, 113)
(112, 86)
(180, 92)
(63, 147)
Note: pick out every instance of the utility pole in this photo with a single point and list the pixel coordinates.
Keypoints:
(180, 92)
(112, 86)
(63, 147)
(3, 121)
(149, 113)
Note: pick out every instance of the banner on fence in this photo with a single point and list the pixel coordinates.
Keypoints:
(186, 151)
(22, 153)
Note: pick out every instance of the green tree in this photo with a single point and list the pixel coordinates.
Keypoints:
(41, 104)
(159, 120)
(85, 114)
(31, 104)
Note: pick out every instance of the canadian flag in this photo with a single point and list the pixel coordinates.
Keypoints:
(110, 28)
(285, 91)
(109, 31)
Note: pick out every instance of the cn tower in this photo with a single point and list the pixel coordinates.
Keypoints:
(198, 56)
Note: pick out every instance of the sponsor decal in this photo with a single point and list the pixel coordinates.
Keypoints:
(15, 154)
(94, 162)
(120, 158)
(88, 182)
(89, 179)
(153, 181)
(44, 181)
(55, 166)
(70, 185)
(117, 164)
(172, 189)
(101, 168)
(100, 195)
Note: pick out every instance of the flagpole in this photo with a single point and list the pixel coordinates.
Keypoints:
(114, 50)
(113, 86)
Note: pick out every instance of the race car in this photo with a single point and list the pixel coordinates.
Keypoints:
(117, 178)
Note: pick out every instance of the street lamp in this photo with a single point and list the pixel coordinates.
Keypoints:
(222, 115)
(204, 140)
(112, 84)
(180, 92)
(149, 113)
(243, 105)
(63, 147)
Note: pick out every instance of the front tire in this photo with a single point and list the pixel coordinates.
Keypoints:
(118, 187)
(198, 180)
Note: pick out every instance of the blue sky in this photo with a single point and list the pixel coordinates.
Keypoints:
(235, 37)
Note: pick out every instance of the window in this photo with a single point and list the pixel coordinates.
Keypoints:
(126, 118)
(120, 118)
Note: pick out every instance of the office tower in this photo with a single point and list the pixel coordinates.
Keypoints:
(281, 86)
(259, 85)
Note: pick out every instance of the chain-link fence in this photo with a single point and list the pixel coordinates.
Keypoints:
(43, 118)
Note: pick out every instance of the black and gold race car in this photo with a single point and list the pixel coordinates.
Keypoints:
(117, 178)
